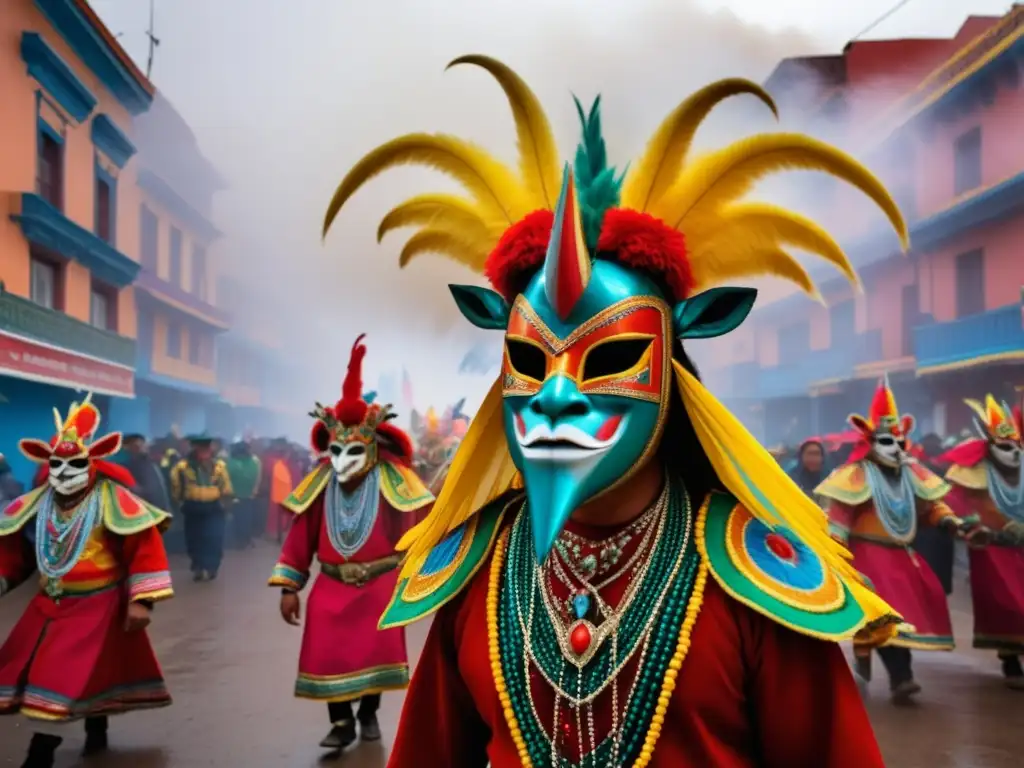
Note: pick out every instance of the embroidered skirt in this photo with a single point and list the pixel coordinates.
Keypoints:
(997, 590)
(71, 659)
(904, 580)
(344, 656)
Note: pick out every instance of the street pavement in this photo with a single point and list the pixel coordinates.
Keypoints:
(230, 663)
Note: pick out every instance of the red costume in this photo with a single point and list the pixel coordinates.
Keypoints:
(986, 478)
(348, 515)
(876, 501)
(98, 548)
(702, 631)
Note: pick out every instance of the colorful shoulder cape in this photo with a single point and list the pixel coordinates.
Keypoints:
(973, 478)
(769, 569)
(400, 486)
(849, 484)
(123, 512)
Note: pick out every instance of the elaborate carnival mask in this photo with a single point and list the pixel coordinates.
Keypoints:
(593, 286)
(884, 429)
(71, 453)
(1001, 427)
(352, 433)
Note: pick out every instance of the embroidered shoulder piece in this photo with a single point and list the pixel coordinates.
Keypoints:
(305, 493)
(776, 574)
(973, 478)
(126, 514)
(449, 566)
(21, 510)
(402, 487)
(927, 485)
(848, 485)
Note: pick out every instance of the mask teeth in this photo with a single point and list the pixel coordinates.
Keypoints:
(567, 263)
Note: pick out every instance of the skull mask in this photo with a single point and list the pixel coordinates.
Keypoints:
(884, 431)
(71, 455)
(998, 424)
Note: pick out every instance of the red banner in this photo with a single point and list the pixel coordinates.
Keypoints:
(32, 360)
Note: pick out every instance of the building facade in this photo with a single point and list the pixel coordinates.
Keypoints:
(69, 215)
(179, 319)
(939, 120)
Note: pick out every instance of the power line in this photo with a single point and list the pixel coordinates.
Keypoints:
(879, 20)
(154, 41)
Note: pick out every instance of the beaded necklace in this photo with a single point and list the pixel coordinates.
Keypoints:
(350, 517)
(573, 548)
(60, 540)
(1009, 500)
(895, 503)
(648, 631)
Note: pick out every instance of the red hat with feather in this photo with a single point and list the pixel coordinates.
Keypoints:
(352, 419)
(883, 419)
(73, 449)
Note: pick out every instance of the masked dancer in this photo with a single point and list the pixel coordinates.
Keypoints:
(876, 502)
(348, 514)
(80, 650)
(986, 477)
(660, 593)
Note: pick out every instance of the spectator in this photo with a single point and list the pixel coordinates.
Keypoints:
(244, 471)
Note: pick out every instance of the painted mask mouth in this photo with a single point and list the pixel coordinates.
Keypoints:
(564, 443)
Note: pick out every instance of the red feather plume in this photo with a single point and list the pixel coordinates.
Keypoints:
(351, 409)
(968, 454)
(646, 244)
(519, 253)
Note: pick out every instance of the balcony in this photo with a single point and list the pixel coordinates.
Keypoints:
(25, 318)
(990, 336)
(175, 297)
(43, 225)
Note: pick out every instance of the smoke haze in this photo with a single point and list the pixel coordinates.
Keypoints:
(285, 96)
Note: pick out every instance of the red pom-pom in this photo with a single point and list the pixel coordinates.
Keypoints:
(640, 241)
(519, 253)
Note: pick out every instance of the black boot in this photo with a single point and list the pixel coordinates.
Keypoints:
(41, 751)
(1013, 672)
(343, 726)
(369, 728)
(95, 736)
(897, 663)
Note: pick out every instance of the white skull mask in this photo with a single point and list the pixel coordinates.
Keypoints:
(69, 476)
(889, 450)
(1006, 452)
(351, 459)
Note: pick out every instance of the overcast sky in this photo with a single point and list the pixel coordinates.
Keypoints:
(285, 95)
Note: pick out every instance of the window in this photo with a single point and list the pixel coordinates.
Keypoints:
(50, 169)
(103, 307)
(194, 343)
(45, 277)
(104, 209)
(970, 283)
(794, 343)
(149, 240)
(199, 272)
(174, 275)
(206, 356)
(173, 340)
(843, 323)
(967, 161)
(911, 309)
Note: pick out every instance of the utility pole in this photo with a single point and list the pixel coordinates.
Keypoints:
(154, 41)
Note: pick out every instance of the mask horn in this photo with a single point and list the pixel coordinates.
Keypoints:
(567, 263)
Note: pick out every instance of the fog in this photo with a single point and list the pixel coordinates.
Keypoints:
(285, 96)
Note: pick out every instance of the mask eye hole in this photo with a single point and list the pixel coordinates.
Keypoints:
(357, 450)
(526, 359)
(56, 463)
(614, 357)
(1006, 447)
(79, 463)
(335, 449)
(886, 441)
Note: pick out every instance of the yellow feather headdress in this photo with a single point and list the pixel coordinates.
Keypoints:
(726, 237)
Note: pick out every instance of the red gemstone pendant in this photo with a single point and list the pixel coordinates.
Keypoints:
(780, 546)
(580, 639)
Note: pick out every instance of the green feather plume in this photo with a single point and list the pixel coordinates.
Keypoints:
(597, 185)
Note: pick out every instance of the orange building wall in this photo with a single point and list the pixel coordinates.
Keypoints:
(188, 240)
(18, 131)
(170, 366)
